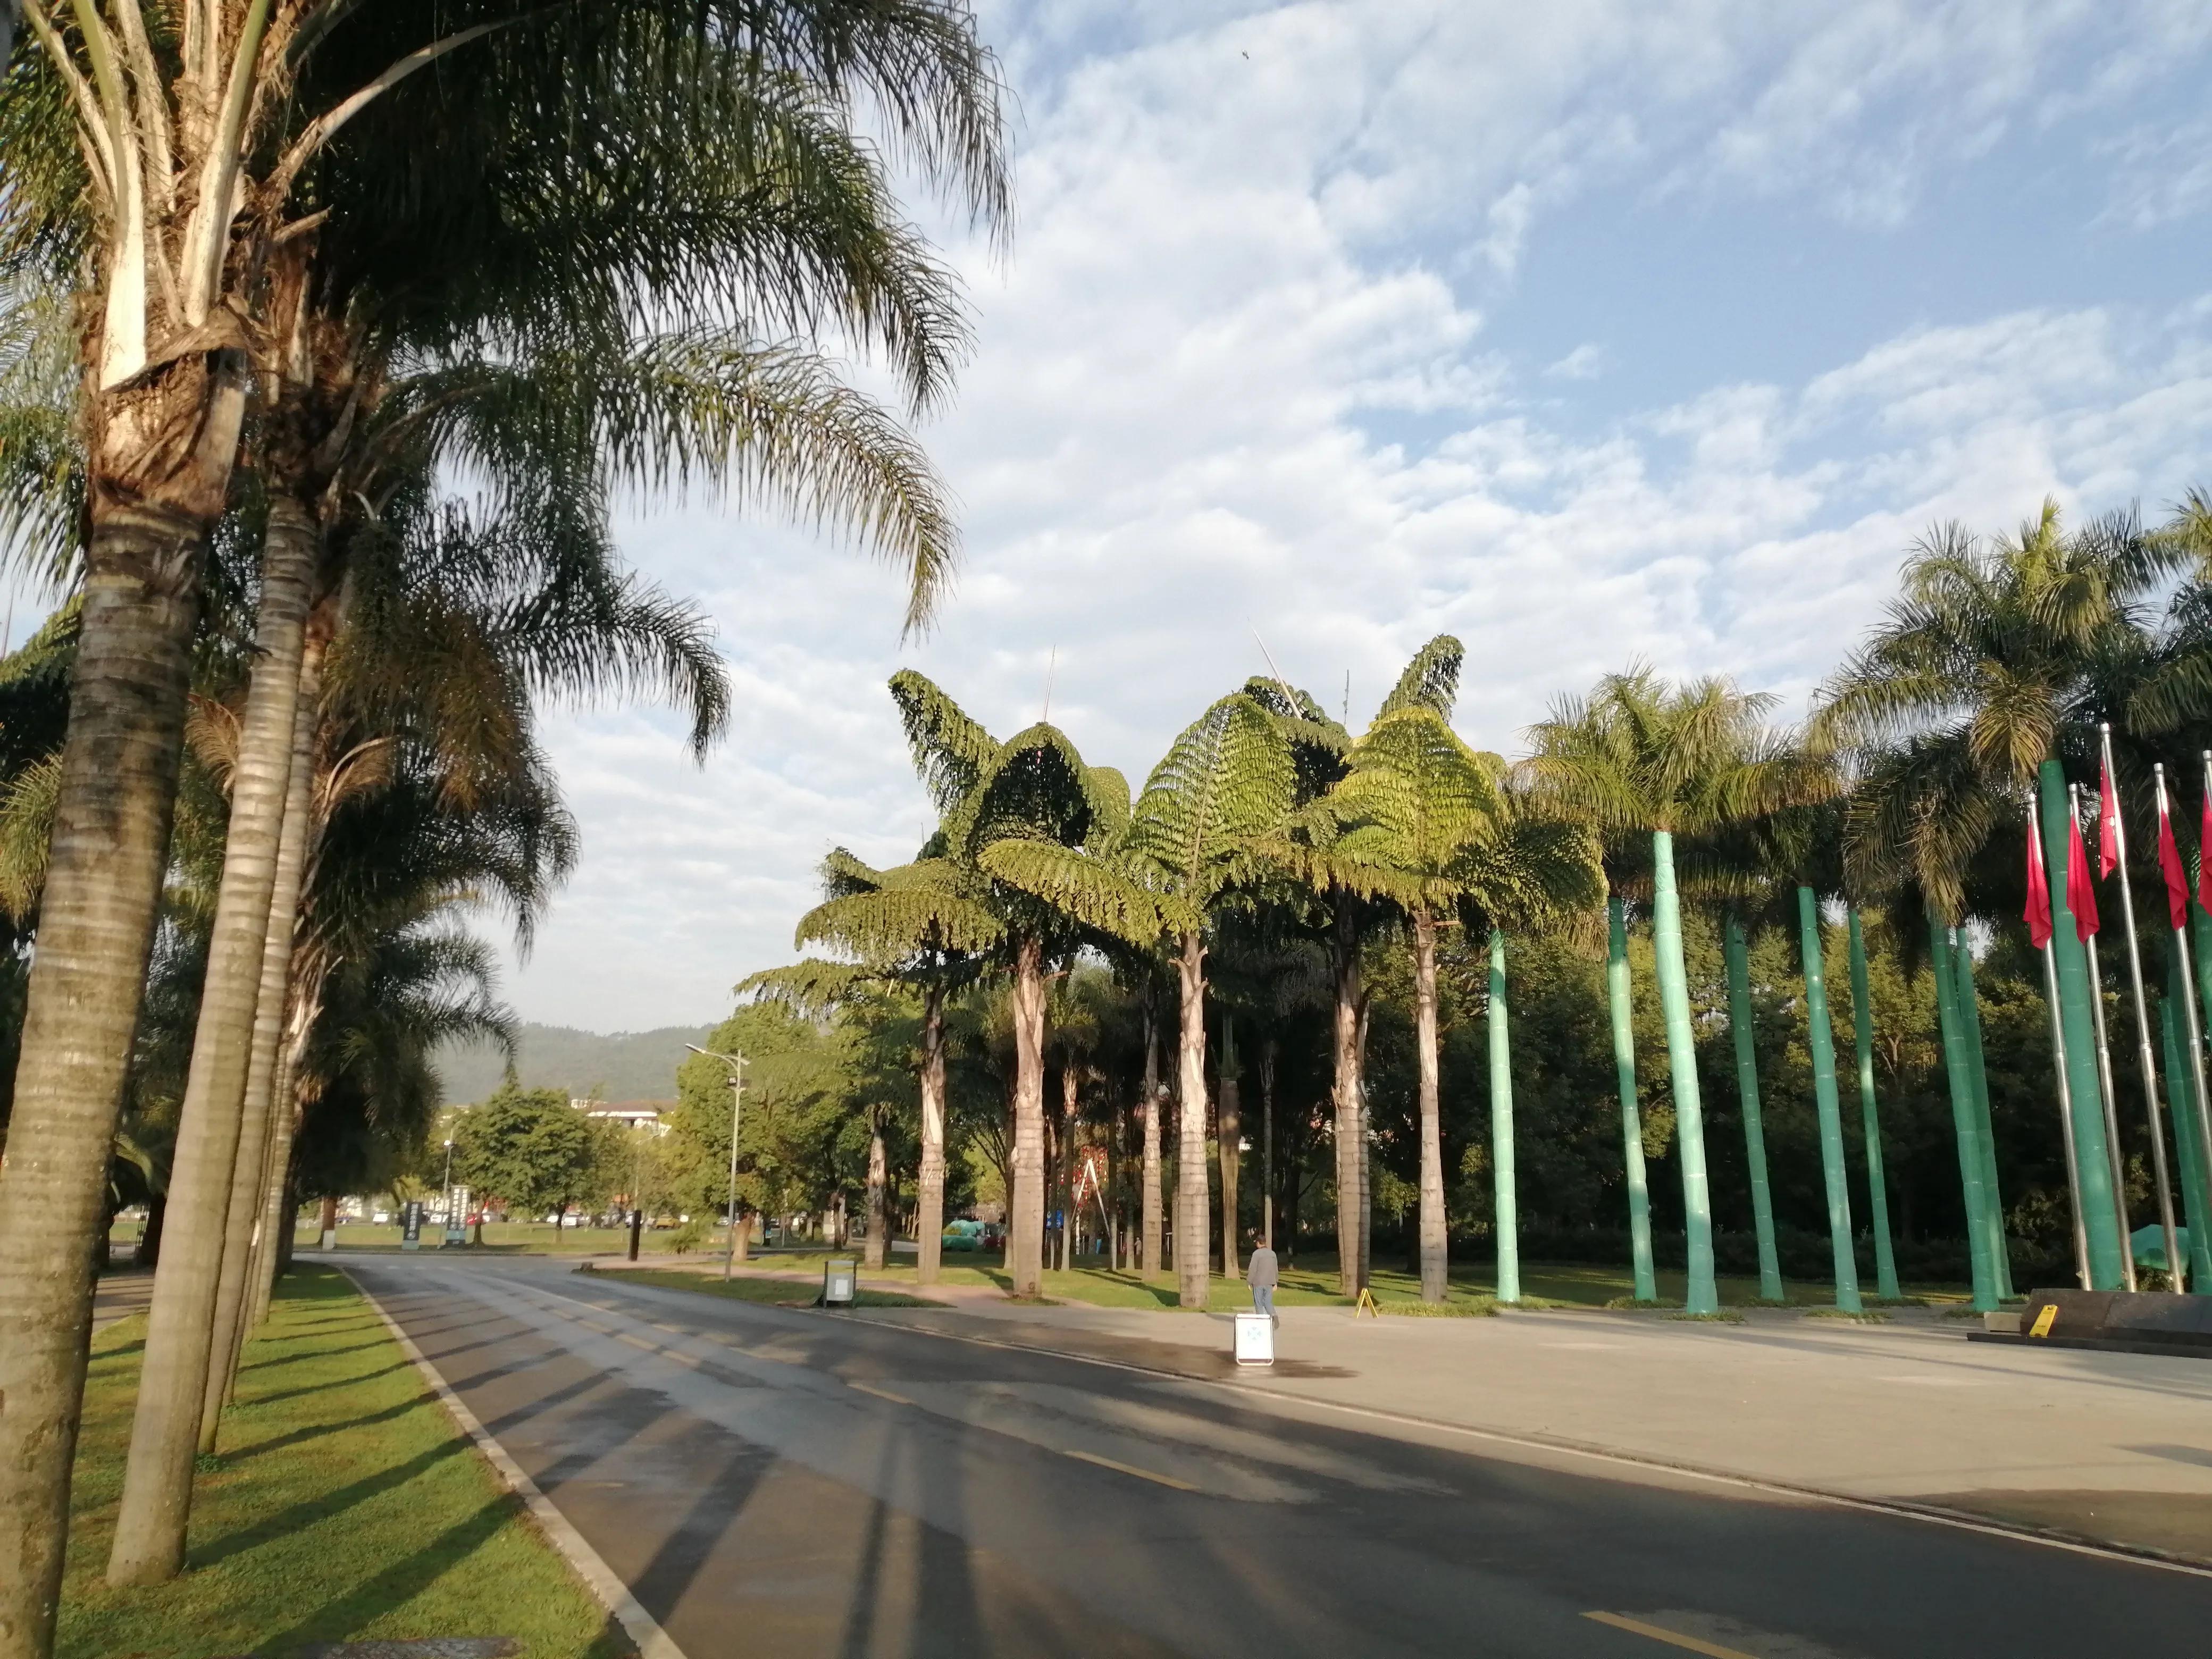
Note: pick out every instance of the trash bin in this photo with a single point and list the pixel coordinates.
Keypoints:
(839, 1276)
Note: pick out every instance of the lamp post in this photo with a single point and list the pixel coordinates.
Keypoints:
(736, 1065)
(453, 1228)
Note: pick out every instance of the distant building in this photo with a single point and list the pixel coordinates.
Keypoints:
(649, 1115)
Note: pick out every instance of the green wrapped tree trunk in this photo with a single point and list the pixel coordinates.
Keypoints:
(1962, 1119)
(1970, 1019)
(2098, 1218)
(1822, 1033)
(1703, 1294)
(1737, 955)
(1631, 1120)
(2181, 1096)
(1885, 1256)
(1501, 1127)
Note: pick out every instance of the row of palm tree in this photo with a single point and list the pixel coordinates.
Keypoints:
(1268, 833)
(307, 283)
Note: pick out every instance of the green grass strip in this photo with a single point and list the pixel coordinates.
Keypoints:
(345, 1505)
(768, 1292)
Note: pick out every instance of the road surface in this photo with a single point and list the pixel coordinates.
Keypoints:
(797, 1483)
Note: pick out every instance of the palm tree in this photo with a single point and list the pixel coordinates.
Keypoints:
(1641, 755)
(1986, 670)
(1033, 791)
(1423, 822)
(1191, 838)
(929, 926)
(165, 405)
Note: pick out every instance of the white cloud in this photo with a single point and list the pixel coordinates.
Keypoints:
(1230, 381)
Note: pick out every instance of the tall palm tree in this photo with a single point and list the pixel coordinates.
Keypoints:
(1191, 838)
(1645, 756)
(184, 214)
(1986, 670)
(1422, 820)
(1034, 790)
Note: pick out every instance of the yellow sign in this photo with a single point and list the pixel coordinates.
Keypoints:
(2044, 1319)
(1366, 1304)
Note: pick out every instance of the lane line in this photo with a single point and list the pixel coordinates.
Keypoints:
(1130, 1469)
(881, 1394)
(1897, 1507)
(1672, 1638)
(642, 1628)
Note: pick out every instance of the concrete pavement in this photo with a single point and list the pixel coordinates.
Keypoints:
(774, 1481)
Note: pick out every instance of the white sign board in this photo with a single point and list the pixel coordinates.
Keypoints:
(1256, 1340)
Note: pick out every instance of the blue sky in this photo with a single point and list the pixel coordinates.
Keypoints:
(1586, 331)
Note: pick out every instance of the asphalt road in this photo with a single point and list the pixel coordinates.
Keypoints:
(771, 1481)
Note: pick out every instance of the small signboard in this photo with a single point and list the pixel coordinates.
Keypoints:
(457, 1203)
(410, 1225)
(2045, 1319)
(1256, 1340)
(839, 1277)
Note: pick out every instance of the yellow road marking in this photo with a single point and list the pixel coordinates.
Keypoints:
(1131, 1468)
(881, 1394)
(1672, 1638)
(673, 1330)
(635, 1341)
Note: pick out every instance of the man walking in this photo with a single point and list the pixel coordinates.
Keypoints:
(1260, 1274)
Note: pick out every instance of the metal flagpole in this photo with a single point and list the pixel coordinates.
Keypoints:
(2196, 1029)
(2105, 1070)
(2058, 1054)
(2109, 800)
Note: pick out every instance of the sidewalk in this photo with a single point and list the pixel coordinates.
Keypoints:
(2115, 1447)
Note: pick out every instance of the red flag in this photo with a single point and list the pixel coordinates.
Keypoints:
(2108, 825)
(2039, 891)
(2177, 878)
(2081, 891)
(2204, 869)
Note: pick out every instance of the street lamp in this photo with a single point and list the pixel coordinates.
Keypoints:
(453, 1230)
(736, 1065)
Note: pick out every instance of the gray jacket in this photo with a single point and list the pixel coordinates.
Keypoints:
(1260, 1270)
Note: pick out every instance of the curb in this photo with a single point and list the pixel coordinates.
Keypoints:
(642, 1629)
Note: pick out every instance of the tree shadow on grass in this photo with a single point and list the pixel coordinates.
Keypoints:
(311, 1354)
(316, 1432)
(294, 1516)
(344, 1614)
(345, 1381)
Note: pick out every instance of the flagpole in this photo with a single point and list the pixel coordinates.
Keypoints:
(2111, 789)
(2196, 1031)
(2103, 1062)
(2058, 1054)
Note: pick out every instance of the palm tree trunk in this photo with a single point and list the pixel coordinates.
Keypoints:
(1153, 1205)
(929, 1222)
(1345, 1038)
(156, 1502)
(1363, 1144)
(877, 1251)
(110, 839)
(1970, 1026)
(1026, 1191)
(1826, 1104)
(265, 1135)
(1070, 1158)
(1229, 1146)
(1682, 1065)
(1736, 951)
(1631, 1124)
(2099, 1218)
(1961, 1081)
(1267, 1143)
(1193, 1202)
(1503, 1186)
(1435, 1266)
(1885, 1257)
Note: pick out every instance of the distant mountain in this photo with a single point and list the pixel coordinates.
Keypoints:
(623, 1066)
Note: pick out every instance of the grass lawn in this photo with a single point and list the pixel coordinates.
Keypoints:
(772, 1292)
(344, 1506)
(1311, 1282)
